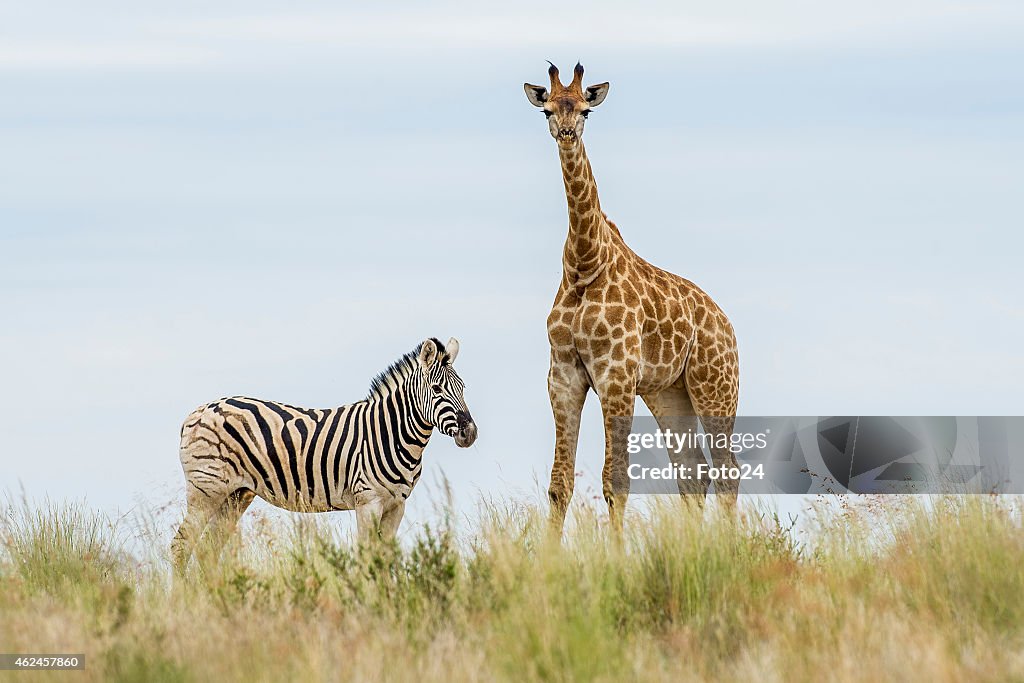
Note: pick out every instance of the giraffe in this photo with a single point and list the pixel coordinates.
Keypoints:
(625, 328)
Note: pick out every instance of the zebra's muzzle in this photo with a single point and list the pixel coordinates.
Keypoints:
(467, 432)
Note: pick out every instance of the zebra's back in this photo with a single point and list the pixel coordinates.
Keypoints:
(296, 458)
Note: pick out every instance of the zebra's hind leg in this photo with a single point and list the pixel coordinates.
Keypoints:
(202, 506)
(224, 523)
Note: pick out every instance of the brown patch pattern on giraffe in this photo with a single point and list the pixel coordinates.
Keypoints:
(624, 327)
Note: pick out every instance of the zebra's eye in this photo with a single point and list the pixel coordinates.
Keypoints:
(436, 388)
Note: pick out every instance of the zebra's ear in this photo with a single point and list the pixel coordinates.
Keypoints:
(428, 354)
(452, 349)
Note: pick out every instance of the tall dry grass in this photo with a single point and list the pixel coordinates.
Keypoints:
(904, 590)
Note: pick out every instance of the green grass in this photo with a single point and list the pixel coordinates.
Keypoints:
(898, 590)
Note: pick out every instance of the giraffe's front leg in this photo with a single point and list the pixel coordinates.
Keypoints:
(567, 390)
(618, 394)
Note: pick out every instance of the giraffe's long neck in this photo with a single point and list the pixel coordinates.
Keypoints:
(588, 246)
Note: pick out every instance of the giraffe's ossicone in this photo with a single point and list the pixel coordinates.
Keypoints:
(625, 328)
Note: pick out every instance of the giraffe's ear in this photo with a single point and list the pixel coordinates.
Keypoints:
(452, 349)
(537, 94)
(428, 354)
(596, 93)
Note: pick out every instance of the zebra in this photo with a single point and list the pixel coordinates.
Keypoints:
(365, 456)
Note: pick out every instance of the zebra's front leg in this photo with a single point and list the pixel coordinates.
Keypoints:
(390, 520)
(369, 513)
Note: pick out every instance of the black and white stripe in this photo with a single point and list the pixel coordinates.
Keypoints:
(364, 456)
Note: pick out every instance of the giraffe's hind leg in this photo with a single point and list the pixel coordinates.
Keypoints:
(713, 385)
(673, 410)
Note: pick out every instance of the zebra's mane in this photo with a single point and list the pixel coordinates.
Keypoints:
(386, 382)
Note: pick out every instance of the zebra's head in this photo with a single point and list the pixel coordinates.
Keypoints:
(441, 391)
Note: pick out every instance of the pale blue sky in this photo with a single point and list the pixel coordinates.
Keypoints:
(204, 199)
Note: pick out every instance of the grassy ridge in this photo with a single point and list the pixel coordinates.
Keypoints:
(905, 591)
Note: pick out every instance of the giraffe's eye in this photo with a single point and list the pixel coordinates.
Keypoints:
(547, 114)
(436, 388)
(585, 113)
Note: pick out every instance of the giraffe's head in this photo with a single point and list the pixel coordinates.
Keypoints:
(440, 391)
(566, 106)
